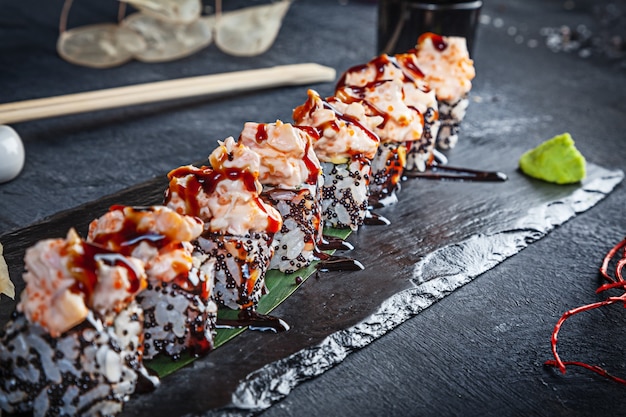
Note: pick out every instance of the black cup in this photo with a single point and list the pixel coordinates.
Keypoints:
(401, 22)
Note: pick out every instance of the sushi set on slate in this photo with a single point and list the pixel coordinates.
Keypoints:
(148, 281)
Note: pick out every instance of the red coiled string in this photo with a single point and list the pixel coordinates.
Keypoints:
(614, 281)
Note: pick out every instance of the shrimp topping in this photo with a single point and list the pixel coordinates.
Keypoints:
(287, 158)
(65, 278)
(157, 235)
(341, 132)
(226, 195)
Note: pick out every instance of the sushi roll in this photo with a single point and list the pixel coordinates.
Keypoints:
(291, 175)
(238, 225)
(417, 95)
(400, 124)
(74, 343)
(345, 148)
(420, 95)
(448, 69)
(179, 310)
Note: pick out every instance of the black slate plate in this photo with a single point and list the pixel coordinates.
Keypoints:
(443, 234)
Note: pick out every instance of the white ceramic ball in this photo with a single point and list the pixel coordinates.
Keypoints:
(11, 154)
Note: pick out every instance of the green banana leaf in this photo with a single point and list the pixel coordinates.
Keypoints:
(279, 285)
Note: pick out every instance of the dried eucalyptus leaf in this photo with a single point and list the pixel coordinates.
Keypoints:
(250, 31)
(181, 11)
(99, 46)
(166, 41)
(6, 286)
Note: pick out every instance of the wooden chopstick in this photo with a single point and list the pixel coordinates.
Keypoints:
(297, 74)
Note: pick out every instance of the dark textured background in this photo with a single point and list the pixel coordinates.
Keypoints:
(477, 352)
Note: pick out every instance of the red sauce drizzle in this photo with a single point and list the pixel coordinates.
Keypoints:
(189, 191)
(310, 130)
(406, 61)
(438, 41)
(207, 179)
(380, 62)
(309, 107)
(261, 132)
(128, 237)
(357, 68)
(273, 225)
(351, 120)
(83, 267)
(200, 345)
(360, 90)
(302, 111)
(352, 94)
(312, 166)
(202, 289)
(420, 115)
(125, 240)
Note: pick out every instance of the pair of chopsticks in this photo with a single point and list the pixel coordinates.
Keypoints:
(238, 81)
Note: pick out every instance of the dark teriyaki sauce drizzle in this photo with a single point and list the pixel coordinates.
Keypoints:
(334, 243)
(254, 321)
(375, 219)
(337, 263)
(147, 381)
(444, 172)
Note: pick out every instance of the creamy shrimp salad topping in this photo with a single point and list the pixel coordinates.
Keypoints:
(342, 127)
(446, 64)
(65, 278)
(287, 159)
(226, 195)
(157, 235)
(385, 98)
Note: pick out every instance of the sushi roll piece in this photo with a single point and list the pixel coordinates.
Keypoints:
(449, 70)
(238, 225)
(420, 95)
(417, 95)
(345, 148)
(400, 124)
(179, 310)
(291, 175)
(74, 343)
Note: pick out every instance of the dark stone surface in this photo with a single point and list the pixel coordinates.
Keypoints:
(478, 351)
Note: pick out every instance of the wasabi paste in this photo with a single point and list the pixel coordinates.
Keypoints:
(556, 160)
